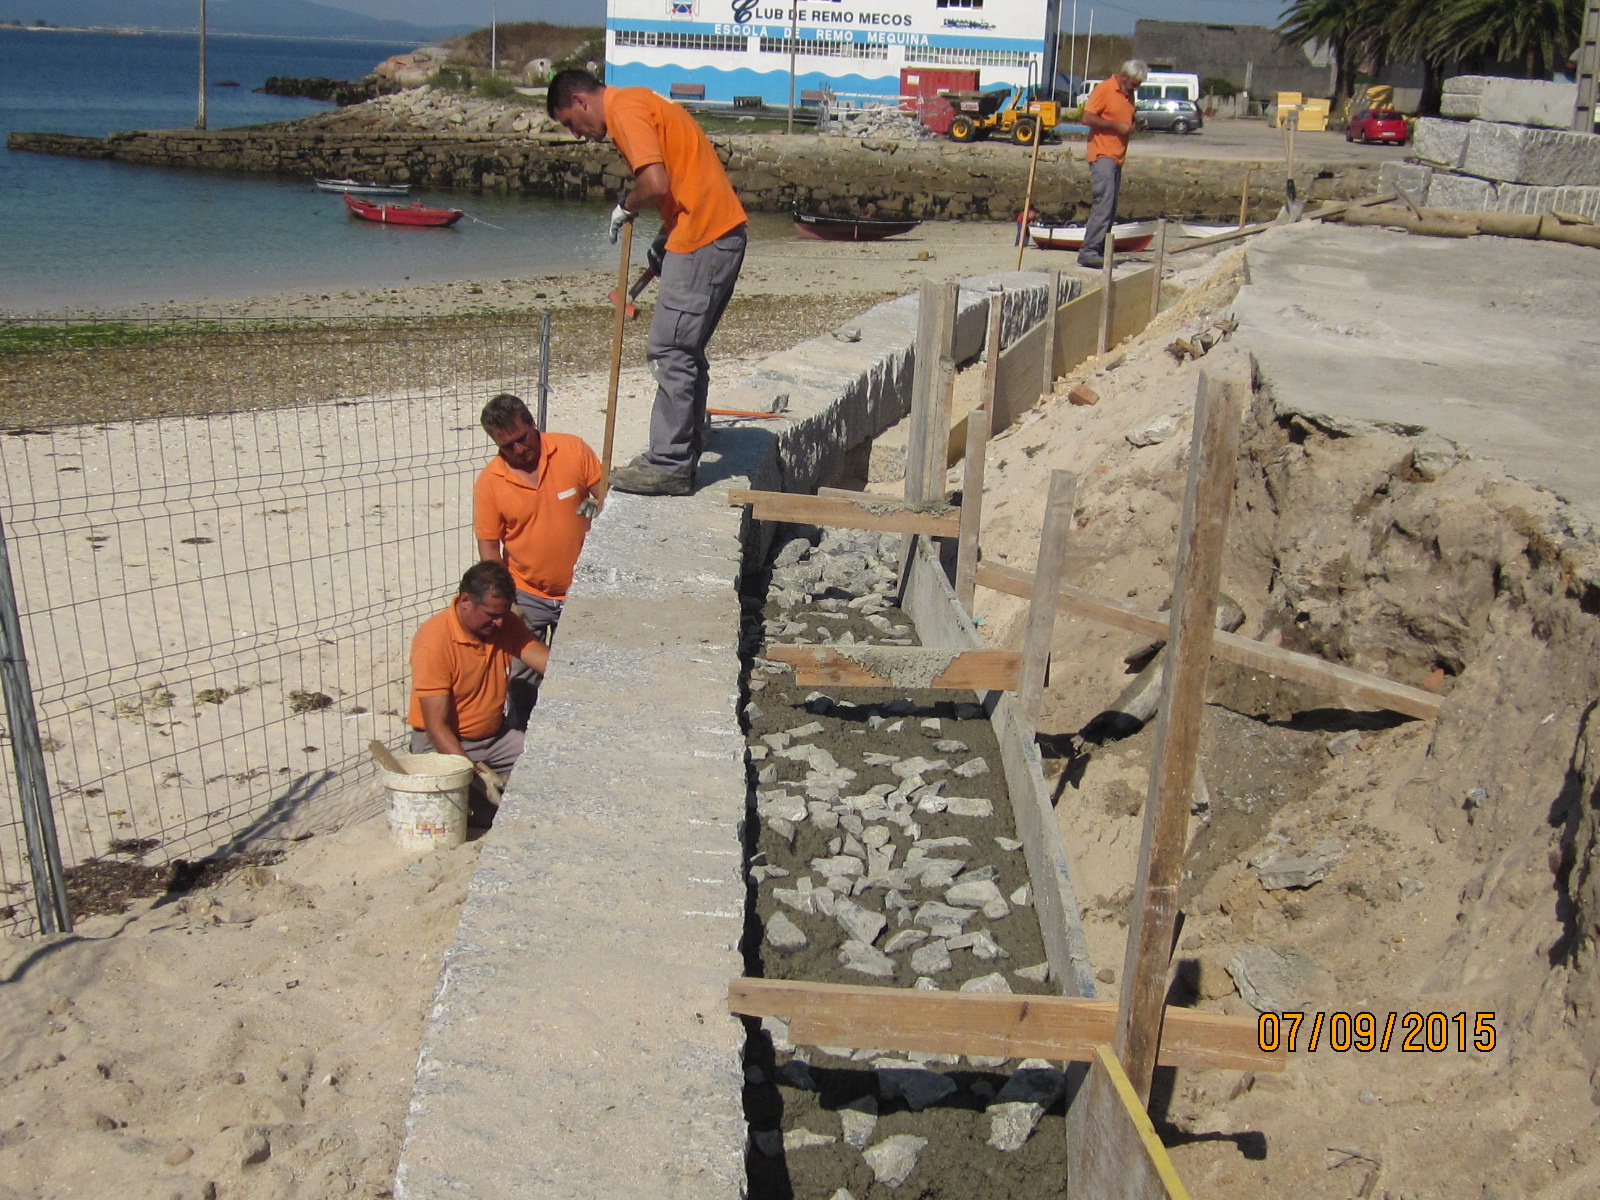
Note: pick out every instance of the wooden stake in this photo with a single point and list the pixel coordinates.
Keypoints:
(973, 462)
(1106, 289)
(1201, 543)
(1041, 611)
(1159, 266)
(1052, 309)
(932, 380)
(972, 506)
(1027, 199)
(623, 267)
(1244, 199)
(922, 380)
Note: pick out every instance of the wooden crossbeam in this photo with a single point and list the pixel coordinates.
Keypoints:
(1341, 681)
(882, 513)
(1055, 1027)
(901, 666)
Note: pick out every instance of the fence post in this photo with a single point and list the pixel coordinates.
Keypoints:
(33, 788)
(544, 370)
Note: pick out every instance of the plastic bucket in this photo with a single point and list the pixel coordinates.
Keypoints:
(428, 804)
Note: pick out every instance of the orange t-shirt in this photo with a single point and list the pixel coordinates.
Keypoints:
(1108, 100)
(538, 523)
(700, 205)
(446, 660)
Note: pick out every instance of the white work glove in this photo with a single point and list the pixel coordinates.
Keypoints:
(619, 217)
(589, 506)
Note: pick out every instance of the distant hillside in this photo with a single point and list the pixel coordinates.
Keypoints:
(520, 42)
(287, 18)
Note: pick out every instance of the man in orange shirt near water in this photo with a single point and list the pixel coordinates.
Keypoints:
(1109, 116)
(697, 256)
(531, 510)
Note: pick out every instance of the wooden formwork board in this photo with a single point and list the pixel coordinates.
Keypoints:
(1113, 1152)
(931, 603)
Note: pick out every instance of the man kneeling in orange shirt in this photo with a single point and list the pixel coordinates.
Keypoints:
(459, 662)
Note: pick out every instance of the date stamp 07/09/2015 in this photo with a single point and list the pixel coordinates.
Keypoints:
(1365, 1032)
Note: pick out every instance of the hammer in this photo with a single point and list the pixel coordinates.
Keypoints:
(633, 293)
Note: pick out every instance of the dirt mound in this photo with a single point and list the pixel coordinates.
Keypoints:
(1461, 852)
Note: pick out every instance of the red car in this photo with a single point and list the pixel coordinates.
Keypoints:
(1377, 125)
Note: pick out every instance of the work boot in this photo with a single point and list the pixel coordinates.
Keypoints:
(642, 479)
(1092, 259)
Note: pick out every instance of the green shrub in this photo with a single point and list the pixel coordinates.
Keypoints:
(496, 87)
(1213, 85)
(453, 79)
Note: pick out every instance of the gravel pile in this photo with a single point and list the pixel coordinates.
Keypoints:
(877, 123)
(432, 110)
(885, 855)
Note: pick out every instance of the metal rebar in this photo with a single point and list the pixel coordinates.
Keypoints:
(544, 369)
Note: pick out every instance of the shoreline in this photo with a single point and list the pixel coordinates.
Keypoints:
(774, 267)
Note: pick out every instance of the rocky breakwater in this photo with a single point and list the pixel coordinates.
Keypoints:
(431, 137)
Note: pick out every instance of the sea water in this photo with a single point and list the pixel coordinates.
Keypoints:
(89, 234)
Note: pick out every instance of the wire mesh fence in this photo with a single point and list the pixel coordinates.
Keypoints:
(223, 535)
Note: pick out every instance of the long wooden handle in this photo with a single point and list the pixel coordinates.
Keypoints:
(386, 758)
(616, 353)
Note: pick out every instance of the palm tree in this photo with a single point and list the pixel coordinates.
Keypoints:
(1536, 34)
(1346, 26)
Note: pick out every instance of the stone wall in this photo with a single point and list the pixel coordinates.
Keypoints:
(933, 179)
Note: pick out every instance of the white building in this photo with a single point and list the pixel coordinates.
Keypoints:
(740, 48)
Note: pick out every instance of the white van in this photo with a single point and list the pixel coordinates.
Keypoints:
(1159, 85)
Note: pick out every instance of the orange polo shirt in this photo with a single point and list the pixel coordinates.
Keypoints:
(446, 660)
(538, 523)
(1108, 100)
(700, 205)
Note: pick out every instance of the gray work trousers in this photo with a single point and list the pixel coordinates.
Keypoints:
(695, 290)
(1105, 178)
(522, 688)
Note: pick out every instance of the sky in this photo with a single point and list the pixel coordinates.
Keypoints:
(1117, 16)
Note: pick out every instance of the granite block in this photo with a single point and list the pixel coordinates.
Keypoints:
(1467, 85)
(1441, 142)
(1535, 102)
(1459, 106)
(1518, 154)
(1459, 191)
(1411, 176)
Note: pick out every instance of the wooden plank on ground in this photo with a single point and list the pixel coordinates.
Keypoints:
(1344, 682)
(1113, 1152)
(883, 513)
(900, 666)
(1063, 1028)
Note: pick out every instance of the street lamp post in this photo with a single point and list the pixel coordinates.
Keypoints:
(200, 118)
(794, 46)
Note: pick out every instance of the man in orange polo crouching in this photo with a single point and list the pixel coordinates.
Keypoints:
(459, 662)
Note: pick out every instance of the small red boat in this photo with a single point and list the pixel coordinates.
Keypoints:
(402, 214)
(851, 229)
(1128, 238)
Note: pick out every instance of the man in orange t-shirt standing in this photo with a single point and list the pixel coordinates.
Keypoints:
(460, 658)
(1109, 116)
(697, 256)
(531, 509)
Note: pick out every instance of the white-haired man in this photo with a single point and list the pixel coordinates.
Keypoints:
(1109, 116)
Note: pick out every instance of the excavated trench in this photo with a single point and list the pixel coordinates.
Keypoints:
(883, 851)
